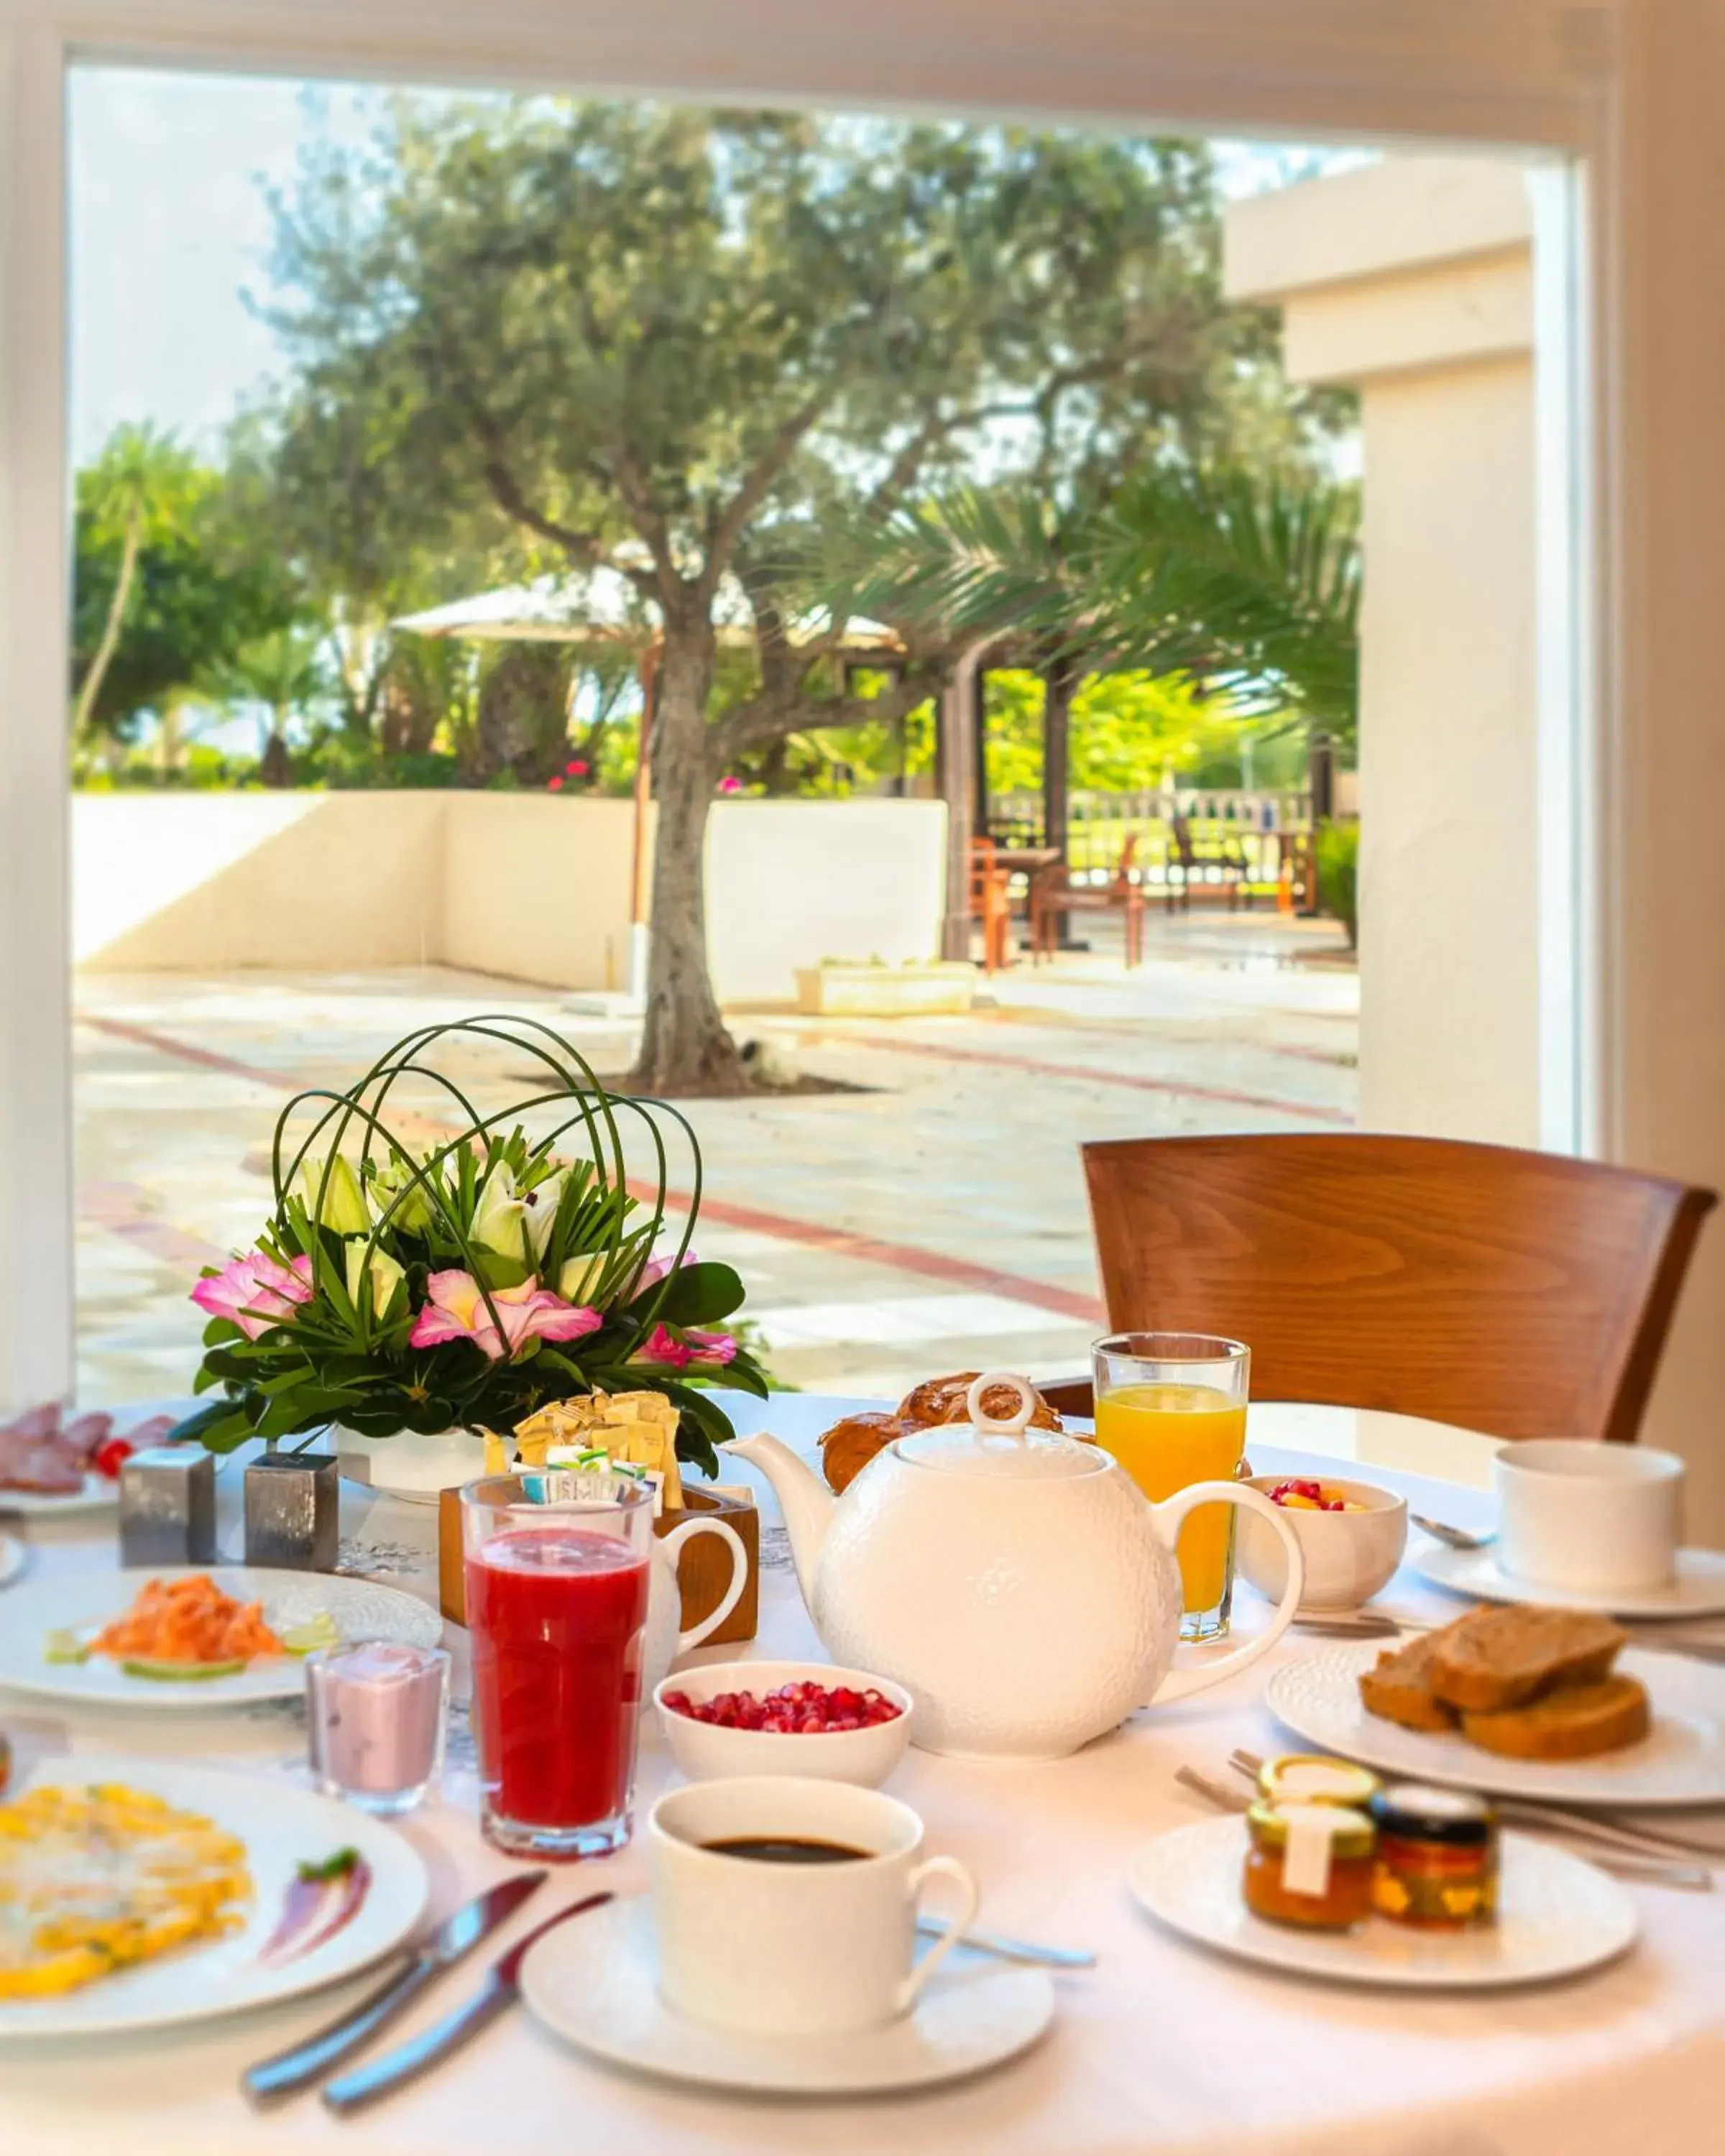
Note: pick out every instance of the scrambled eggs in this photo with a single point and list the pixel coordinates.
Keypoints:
(93, 1880)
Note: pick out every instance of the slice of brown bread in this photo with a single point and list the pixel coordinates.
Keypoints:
(1575, 1721)
(1397, 1688)
(1499, 1658)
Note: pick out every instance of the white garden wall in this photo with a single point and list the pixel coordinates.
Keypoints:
(523, 886)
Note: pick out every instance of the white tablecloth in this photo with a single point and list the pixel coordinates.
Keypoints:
(1161, 2048)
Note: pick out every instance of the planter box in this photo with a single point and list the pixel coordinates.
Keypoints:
(943, 985)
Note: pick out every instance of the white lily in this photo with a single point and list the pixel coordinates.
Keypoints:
(579, 1277)
(412, 1215)
(385, 1275)
(500, 1218)
(331, 1192)
(542, 1202)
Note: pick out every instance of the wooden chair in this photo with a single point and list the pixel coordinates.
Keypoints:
(1053, 893)
(991, 903)
(1519, 1293)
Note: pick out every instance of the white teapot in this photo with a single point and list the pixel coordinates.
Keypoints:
(1014, 1580)
(664, 1642)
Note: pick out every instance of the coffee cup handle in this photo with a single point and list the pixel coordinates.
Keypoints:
(938, 1867)
(1181, 1684)
(672, 1542)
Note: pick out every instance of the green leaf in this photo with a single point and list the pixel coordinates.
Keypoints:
(219, 1427)
(696, 1295)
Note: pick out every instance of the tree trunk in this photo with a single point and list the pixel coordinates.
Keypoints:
(274, 767)
(111, 627)
(685, 1046)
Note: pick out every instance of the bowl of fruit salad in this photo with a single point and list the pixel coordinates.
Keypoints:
(1352, 1534)
(784, 1719)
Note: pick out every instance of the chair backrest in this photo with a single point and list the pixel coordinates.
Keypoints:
(1128, 858)
(1519, 1294)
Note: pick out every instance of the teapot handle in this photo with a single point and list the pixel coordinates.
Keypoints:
(1181, 1684)
(1012, 1425)
(702, 1524)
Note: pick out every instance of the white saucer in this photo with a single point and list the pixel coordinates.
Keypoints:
(592, 1982)
(1557, 1915)
(1698, 1591)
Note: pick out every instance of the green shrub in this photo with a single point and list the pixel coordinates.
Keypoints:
(1338, 874)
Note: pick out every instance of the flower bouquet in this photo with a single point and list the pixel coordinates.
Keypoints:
(460, 1270)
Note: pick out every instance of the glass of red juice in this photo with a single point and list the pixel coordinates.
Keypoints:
(557, 1565)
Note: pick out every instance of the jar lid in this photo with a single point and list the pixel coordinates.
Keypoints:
(1412, 1812)
(1350, 1833)
(1311, 1777)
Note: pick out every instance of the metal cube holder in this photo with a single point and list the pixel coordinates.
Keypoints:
(292, 1509)
(168, 1505)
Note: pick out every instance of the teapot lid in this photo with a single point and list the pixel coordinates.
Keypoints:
(1001, 1449)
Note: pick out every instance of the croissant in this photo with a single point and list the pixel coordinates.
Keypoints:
(944, 1399)
(849, 1445)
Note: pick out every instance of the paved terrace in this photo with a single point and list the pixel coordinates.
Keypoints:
(935, 1221)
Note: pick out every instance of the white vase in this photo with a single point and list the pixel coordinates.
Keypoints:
(413, 1468)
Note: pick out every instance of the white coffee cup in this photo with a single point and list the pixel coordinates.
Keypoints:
(792, 1948)
(1591, 1517)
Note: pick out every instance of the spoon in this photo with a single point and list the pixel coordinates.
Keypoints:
(1458, 1539)
(1005, 1950)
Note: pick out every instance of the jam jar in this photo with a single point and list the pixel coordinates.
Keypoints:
(1310, 1864)
(1312, 1777)
(1437, 1857)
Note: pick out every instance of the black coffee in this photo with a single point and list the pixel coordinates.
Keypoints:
(786, 1849)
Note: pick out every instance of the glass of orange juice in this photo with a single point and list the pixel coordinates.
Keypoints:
(1170, 1407)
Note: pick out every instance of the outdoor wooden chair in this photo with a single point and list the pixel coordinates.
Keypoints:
(1209, 868)
(991, 903)
(1053, 893)
(1518, 1294)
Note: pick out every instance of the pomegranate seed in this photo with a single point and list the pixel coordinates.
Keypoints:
(802, 1709)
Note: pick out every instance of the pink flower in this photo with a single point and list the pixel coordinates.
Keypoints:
(456, 1311)
(730, 784)
(655, 1269)
(255, 1292)
(554, 785)
(662, 1346)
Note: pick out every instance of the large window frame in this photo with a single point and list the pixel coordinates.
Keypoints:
(1484, 72)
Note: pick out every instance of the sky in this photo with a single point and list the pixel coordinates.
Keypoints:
(160, 330)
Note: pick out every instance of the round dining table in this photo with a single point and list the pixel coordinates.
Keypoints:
(1162, 2046)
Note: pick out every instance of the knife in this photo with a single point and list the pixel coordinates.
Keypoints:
(288, 2072)
(501, 1987)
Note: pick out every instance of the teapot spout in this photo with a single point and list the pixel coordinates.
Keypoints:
(804, 1498)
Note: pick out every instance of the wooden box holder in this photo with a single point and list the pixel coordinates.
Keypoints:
(703, 1570)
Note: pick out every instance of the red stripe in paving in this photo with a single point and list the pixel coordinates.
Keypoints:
(1181, 1088)
(900, 1257)
(124, 1210)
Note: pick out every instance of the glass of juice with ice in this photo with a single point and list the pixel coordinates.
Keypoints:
(1170, 1407)
(556, 1564)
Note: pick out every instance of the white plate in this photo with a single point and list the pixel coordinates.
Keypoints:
(1556, 1917)
(360, 1611)
(594, 1982)
(100, 1494)
(1698, 1591)
(282, 1828)
(1682, 1761)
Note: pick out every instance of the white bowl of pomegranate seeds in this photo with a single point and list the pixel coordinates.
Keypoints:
(784, 1719)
